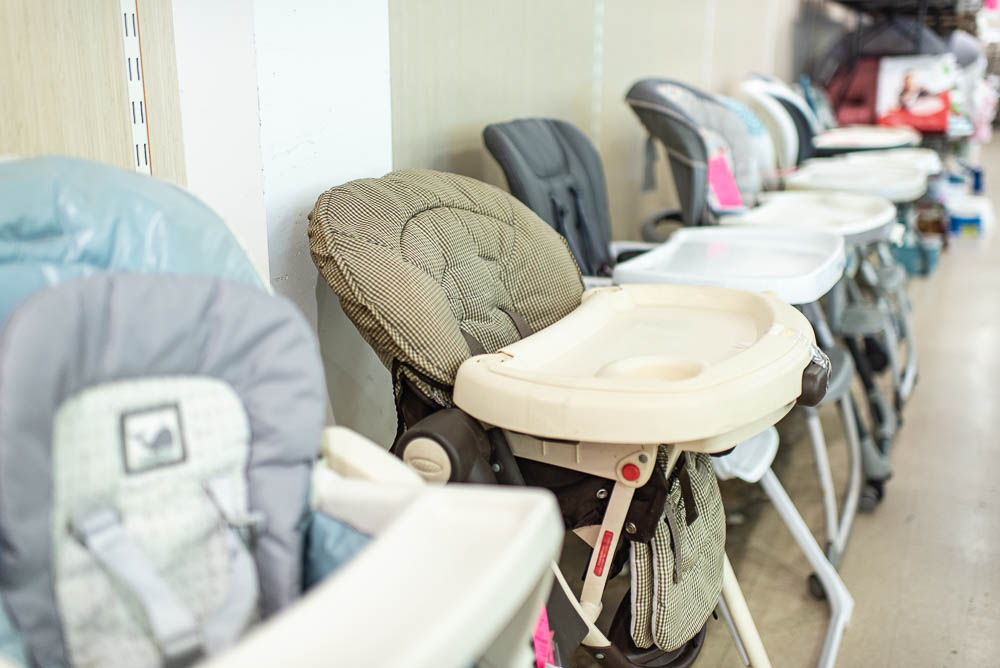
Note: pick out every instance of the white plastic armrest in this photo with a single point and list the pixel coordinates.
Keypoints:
(616, 248)
(434, 589)
(351, 455)
(597, 282)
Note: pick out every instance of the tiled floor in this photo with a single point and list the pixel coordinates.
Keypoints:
(924, 568)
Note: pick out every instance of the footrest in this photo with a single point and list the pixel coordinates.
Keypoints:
(891, 278)
(861, 320)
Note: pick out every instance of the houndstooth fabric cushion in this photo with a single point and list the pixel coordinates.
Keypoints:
(418, 257)
(677, 578)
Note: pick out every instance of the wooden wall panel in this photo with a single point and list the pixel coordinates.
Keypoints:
(156, 35)
(62, 82)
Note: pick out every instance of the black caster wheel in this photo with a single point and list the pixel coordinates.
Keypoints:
(877, 356)
(871, 496)
(816, 587)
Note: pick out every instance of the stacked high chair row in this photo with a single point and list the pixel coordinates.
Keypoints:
(793, 244)
(171, 497)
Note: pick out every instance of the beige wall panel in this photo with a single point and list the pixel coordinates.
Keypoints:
(457, 66)
(449, 78)
(159, 68)
(643, 38)
(61, 84)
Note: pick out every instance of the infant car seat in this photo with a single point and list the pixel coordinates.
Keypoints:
(433, 268)
(157, 437)
(63, 218)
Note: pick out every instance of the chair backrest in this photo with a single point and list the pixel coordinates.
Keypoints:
(775, 117)
(148, 424)
(434, 267)
(692, 126)
(806, 123)
(63, 218)
(555, 170)
(760, 139)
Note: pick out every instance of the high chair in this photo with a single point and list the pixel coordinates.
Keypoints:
(158, 449)
(864, 171)
(438, 271)
(801, 265)
(688, 122)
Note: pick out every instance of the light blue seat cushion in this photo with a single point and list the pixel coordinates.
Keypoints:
(330, 544)
(11, 647)
(63, 218)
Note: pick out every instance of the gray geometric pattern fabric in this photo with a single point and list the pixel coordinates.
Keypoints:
(418, 257)
(677, 579)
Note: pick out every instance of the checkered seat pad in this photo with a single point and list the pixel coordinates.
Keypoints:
(429, 266)
(157, 435)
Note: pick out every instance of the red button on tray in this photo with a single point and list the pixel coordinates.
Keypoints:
(630, 472)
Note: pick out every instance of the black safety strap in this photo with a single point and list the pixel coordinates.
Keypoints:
(649, 172)
(560, 211)
(596, 256)
(687, 494)
(523, 328)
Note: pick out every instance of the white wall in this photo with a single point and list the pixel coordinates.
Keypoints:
(325, 118)
(217, 80)
(279, 102)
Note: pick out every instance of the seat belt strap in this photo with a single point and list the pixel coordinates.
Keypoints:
(174, 629)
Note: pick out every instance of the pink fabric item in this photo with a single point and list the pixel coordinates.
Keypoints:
(542, 641)
(723, 184)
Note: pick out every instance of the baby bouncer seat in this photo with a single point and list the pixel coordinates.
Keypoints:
(161, 497)
(502, 371)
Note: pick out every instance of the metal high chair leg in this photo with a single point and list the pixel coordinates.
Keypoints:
(840, 600)
(838, 530)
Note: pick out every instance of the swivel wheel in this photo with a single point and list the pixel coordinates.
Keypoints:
(871, 496)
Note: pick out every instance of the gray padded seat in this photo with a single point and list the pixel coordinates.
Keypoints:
(91, 335)
(687, 121)
(553, 168)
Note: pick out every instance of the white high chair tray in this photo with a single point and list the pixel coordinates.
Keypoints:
(799, 265)
(925, 159)
(643, 364)
(860, 219)
(890, 180)
(866, 137)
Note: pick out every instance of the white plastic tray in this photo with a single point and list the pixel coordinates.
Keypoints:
(640, 364)
(925, 159)
(871, 177)
(866, 137)
(860, 219)
(799, 265)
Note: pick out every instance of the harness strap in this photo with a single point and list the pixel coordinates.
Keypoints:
(174, 628)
